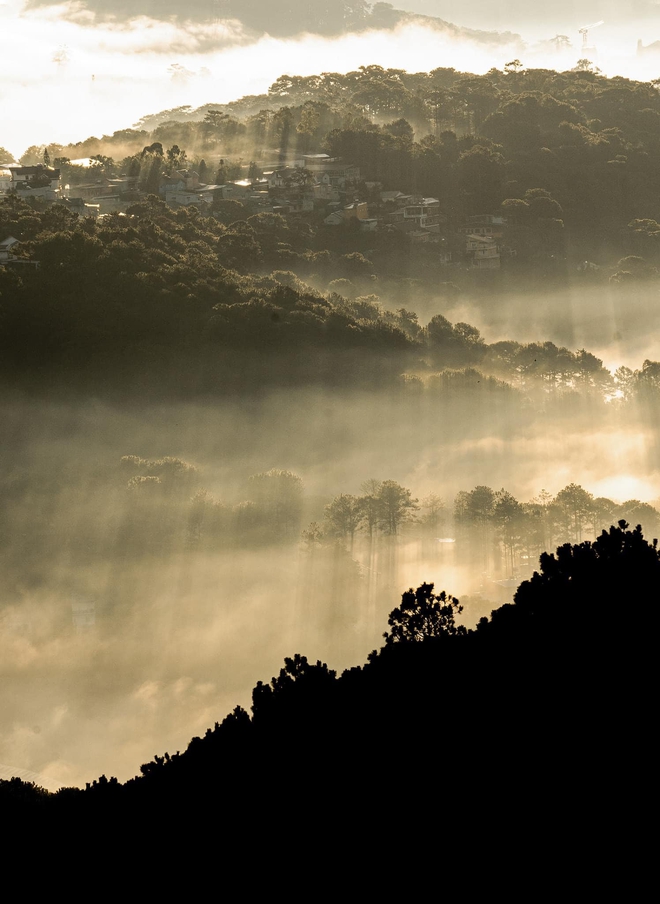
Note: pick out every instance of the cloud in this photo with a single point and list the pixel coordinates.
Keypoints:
(103, 11)
(136, 34)
(113, 71)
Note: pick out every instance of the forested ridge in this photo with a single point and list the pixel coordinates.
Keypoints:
(180, 301)
(473, 141)
(171, 303)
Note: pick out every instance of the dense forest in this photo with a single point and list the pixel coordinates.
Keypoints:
(588, 142)
(188, 300)
(180, 304)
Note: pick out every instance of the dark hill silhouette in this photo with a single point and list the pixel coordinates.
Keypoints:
(543, 710)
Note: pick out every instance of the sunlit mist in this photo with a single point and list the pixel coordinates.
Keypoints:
(66, 78)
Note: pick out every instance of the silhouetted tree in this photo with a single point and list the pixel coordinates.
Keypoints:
(423, 614)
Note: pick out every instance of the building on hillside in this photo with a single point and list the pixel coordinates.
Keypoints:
(5, 180)
(237, 190)
(396, 198)
(9, 260)
(34, 181)
(182, 198)
(484, 251)
(6, 247)
(86, 191)
(279, 176)
(170, 183)
(190, 178)
(358, 210)
(123, 183)
(423, 214)
(485, 225)
(209, 193)
(332, 170)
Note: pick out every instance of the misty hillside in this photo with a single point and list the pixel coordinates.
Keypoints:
(587, 143)
(264, 365)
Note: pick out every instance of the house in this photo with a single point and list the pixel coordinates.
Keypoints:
(238, 190)
(358, 210)
(190, 178)
(336, 218)
(9, 259)
(171, 183)
(87, 190)
(395, 197)
(279, 176)
(123, 183)
(485, 252)
(5, 179)
(485, 225)
(423, 214)
(208, 193)
(6, 247)
(180, 197)
(40, 181)
(332, 170)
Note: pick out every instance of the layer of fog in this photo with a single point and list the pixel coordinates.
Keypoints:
(76, 80)
(178, 639)
(563, 17)
(618, 324)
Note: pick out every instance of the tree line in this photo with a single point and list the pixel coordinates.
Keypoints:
(489, 526)
(179, 303)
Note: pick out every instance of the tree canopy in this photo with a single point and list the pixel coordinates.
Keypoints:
(424, 614)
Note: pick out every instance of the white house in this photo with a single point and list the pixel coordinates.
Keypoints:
(6, 247)
(9, 259)
(39, 181)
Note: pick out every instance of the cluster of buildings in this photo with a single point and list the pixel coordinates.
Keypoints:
(328, 189)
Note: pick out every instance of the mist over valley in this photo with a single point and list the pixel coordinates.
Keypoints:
(269, 362)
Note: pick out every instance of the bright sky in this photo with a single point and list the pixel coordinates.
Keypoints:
(63, 80)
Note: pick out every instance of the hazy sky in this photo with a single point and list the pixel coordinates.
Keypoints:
(66, 74)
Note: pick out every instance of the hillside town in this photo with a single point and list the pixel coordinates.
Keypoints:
(324, 190)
